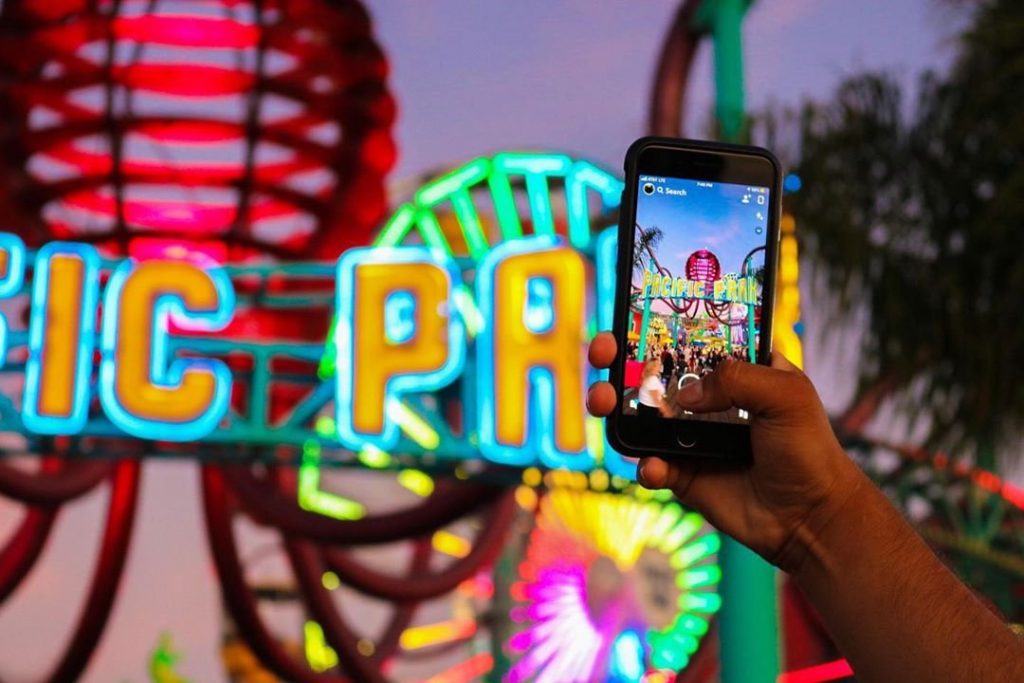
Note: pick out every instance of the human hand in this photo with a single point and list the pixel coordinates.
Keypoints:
(799, 479)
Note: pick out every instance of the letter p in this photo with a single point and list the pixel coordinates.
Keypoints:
(396, 333)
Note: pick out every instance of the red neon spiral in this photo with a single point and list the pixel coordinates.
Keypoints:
(703, 266)
(223, 129)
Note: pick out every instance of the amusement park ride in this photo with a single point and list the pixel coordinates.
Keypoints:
(196, 177)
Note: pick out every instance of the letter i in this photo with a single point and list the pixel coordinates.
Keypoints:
(61, 338)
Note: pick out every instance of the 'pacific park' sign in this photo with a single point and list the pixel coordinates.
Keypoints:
(460, 334)
(123, 349)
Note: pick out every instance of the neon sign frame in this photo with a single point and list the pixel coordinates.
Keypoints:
(415, 427)
(308, 427)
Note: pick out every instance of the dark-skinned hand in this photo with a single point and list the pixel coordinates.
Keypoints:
(799, 478)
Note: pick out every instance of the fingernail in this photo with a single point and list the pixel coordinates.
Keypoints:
(691, 393)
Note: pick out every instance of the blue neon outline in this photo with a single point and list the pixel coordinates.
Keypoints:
(585, 175)
(75, 421)
(540, 434)
(164, 374)
(401, 383)
(626, 671)
(399, 316)
(606, 257)
(11, 283)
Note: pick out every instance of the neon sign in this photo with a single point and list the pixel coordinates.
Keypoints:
(397, 334)
(145, 348)
(730, 288)
(482, 290)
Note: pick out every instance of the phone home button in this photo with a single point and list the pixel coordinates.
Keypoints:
(685, 437)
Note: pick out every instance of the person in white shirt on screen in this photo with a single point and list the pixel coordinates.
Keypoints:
(652, 392)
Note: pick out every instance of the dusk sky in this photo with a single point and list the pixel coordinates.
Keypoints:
(470, 78)
(709, 216)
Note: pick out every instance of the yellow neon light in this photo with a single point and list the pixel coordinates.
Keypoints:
(554, 344)
(594, 427)
(620, 527)
(330, 581)
(532, 476)
(133, 385)
(311, 497)
(319, 654)
(413, 425)
(418, 637)
(374, 458)
(377, 357)
(527, 498)
(448, 543)
(419, 483)
(787, 299)
(63, 321)
(599, 480)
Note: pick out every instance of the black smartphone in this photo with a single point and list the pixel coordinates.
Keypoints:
(698, 251)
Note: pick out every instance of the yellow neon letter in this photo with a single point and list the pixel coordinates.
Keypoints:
(530, 368)
(397, 332)
(65, 290)
(144, 389)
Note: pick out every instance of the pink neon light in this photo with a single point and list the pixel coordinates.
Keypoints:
(191, 217)
(190, 132)
(185, 80)
(292, 168)
(160, 170)
(819, 673)
(204, 254)
(191, 31)
(562, 641)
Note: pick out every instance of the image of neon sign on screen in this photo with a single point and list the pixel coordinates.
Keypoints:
(698, 271)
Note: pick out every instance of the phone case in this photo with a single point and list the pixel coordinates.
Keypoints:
(624, 273)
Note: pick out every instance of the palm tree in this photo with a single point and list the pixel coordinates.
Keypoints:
(916, 221)
(647, 240)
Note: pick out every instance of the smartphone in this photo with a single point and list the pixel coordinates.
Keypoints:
(697, 259)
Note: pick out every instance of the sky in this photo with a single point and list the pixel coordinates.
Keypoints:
(709, 216)
(470, 78)
(478, 76)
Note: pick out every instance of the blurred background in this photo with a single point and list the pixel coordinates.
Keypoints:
(258, 133)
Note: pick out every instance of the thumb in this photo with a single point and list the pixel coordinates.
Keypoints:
(736, 384)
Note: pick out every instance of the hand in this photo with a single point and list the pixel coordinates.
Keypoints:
(799, 478)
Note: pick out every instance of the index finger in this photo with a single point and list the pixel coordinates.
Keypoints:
(602, 350)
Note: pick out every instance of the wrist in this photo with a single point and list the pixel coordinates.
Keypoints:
(813, 543)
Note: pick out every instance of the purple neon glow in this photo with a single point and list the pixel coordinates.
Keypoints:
(562, 644)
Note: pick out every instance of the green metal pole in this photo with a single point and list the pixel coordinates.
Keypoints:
(641, 349)
(749, 620)
(748, 623)
(723, 19)
(751, 335)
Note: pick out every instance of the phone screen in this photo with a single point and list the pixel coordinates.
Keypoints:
(698, 270)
